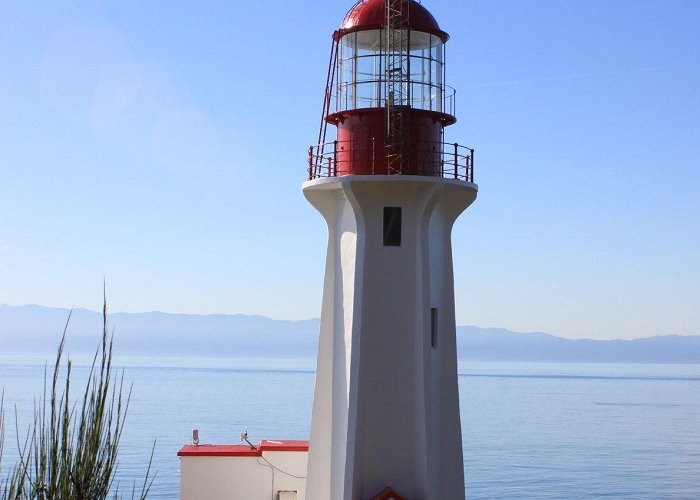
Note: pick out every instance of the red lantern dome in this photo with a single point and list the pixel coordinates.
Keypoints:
(371, 14)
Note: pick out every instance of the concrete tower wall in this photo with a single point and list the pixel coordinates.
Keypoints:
(386, 408)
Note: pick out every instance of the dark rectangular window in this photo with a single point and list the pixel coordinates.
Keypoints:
(392, 226)
(433, 327)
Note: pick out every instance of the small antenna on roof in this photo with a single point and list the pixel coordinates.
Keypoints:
(244, 437)
(195, 436)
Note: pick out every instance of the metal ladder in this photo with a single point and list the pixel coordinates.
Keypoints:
(328, 97)
(330, 81)
(397, 98)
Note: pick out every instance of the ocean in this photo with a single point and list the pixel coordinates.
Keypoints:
(530, 430)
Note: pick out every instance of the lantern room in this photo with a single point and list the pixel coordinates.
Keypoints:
(387, 96)
(362, 72)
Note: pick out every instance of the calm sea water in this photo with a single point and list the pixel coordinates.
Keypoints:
(530, 430)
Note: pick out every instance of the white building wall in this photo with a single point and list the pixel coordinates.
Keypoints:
(243, 478)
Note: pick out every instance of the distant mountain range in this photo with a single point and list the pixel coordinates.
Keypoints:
(33, 329)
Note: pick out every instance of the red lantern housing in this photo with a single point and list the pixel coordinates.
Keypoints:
(387, 96)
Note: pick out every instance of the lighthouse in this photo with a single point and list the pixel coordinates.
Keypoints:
(385, 423)
(385, 420)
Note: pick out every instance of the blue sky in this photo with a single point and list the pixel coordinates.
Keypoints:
(163, 144)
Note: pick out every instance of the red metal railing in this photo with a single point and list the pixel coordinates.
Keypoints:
(437, 159)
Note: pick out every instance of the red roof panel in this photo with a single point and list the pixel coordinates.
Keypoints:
(241, 450)
(369, 14)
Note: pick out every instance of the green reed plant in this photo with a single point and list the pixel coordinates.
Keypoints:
(70, 451)
(2, 435)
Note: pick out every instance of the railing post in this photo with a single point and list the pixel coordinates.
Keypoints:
(311, 157)
(456, 166)
(441, 149)
(335, 158)
(329, 166)
(471, 165)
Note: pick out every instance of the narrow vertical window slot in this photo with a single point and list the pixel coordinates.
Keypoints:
(433, 327)
(392, 226)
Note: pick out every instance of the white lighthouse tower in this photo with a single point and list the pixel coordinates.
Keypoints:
(385, 420)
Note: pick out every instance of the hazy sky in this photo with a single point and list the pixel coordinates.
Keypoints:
(163, 145)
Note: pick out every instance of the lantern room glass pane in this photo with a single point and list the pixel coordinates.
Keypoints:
(346, 66)
(362, 75)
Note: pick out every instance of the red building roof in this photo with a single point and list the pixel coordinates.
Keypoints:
(241, 450)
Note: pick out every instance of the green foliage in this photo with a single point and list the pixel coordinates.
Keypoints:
(70, 451)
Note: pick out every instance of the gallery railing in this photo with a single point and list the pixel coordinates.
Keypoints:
(437, 159)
